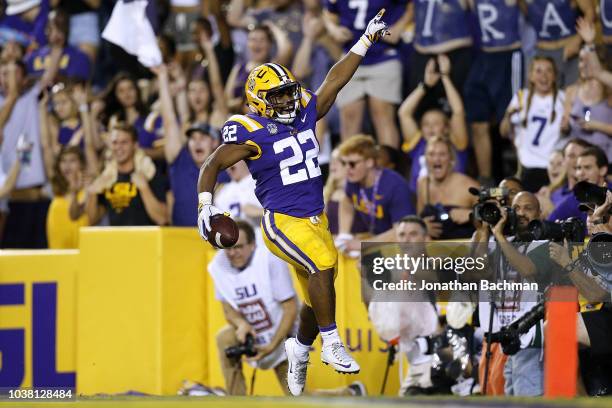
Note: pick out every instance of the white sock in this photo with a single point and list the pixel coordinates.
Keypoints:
(329, 337)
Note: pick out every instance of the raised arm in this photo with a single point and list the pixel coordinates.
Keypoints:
(12, 95)
(48, 136)
(458, 127)
(80, 96)
(284, 48)
(174, 138)
(408, 124)
(312, 27)
(343, 70)
(216, 81)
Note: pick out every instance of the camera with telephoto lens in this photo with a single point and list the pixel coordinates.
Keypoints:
(488, 210)
(245, 349)
(572, 229)
(510, 336)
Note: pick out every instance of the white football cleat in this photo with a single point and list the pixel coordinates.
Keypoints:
(296, 371)
(336, 355)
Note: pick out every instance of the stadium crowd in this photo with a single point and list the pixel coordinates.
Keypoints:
(461, 94)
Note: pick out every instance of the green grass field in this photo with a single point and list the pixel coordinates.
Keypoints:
(312, 402)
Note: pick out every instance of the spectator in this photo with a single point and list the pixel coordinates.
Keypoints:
(556, 175)
(443, 199)
(605, 11)
(24, 21)
(495, 75)
(513, 186)
(434, 122)
(258, 300)
(533, 118)
(555, 26)
(25, 225)
(124, 106)
(183, 14)
(67, 210)
(587, 114)
(202, 29)
(12, 51)
(72, 63)
(441, 28)
(129, 189)
(552, 195)
(205, 94)
(333, 194)
(260, 42)
(379, 76)
(380, 197)
(7, 184)
(591, 166)
(184, 155)
(84, 27)
(238, 196)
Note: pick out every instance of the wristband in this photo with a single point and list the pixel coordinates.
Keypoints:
(205, 198)
(83, 108)
(589, 47)
(361, 46)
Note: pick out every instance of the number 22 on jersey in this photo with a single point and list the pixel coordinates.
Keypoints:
(298, 158)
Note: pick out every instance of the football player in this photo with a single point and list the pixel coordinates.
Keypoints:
(277, 141)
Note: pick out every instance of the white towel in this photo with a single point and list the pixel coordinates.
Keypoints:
(130, 29)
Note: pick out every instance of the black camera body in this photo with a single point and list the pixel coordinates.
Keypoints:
(510, 336)
(488, 211)
(590, 193)
(245, 349)
(572, 229)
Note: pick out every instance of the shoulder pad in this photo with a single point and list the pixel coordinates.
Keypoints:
(306, 97)
(237, 129)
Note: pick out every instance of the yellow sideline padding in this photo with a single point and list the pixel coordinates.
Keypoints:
(136, 311)
(141, 310)
(26, 268)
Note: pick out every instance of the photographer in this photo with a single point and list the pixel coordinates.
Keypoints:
(515, 260)
(591, 166)
(593, 281)
(259, 304)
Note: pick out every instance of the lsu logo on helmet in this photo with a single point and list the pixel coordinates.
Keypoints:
(272, 92)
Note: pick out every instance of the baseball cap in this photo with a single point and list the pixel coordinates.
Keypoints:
(19, 6)
(204, 128)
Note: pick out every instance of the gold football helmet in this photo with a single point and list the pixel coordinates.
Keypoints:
(272, 92)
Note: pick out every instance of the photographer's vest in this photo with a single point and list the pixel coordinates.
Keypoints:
(511, 305)
(250, 292)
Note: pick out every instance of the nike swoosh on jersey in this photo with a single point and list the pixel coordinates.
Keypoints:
(304, 118)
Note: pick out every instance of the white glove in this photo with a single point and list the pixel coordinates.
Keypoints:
(205, 211)
(375, 30)
(342, 240)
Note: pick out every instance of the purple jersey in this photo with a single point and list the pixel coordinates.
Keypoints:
(29, 34)
(67, 130)
(440, 21)
(184, 174)
(499, 23)
(286, 170)
(74, 63)
(356, 14)
(383, 204)
(552, 19)
(417, 161)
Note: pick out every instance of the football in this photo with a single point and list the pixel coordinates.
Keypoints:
(223, 231)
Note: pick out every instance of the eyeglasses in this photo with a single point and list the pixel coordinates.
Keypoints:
(351, 163)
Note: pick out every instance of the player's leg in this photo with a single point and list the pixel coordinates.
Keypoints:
(231, 368)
